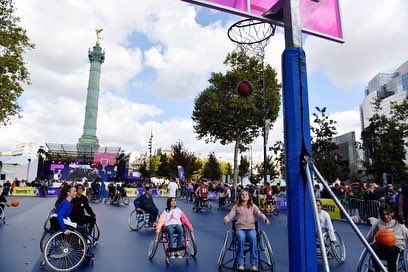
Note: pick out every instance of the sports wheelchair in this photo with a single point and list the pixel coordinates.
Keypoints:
(201, 204)
(95, 197)
(366, 264)
(189, 245)
(2, 216)
(138, 219)
(67, 252)
(335, 251)
(225, 204)
(117, 200)
(231, 245)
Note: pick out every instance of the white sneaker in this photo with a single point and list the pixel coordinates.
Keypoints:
(241, 267)
(171, 255)
(254, 268)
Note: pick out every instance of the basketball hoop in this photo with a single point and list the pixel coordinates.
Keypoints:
(251, 36)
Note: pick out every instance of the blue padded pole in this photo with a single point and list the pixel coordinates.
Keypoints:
(301, 226)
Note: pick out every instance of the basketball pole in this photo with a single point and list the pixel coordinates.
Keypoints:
(301, 226)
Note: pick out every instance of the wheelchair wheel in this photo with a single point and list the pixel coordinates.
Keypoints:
(339, 249)
(208, 206)
(227, 242)
(125, 200)
(137, 219)
(190, 242)
(2, 216)
(266, 246)
(107, 200)
(65, 252)
(47, 223)
(96, 233)
(154, 243)
(44, 238)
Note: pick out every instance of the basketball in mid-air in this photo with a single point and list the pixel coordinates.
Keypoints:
(244, 88)
(15, 203)
(386, 238)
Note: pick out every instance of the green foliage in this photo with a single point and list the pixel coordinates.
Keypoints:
(384, 142)
(13, 72)
(271, 169)
(212, 169)
(323, 147)
(279, 153)
(181, 156)
(243, 167)
(220, 114)
(143, 171)
(164, 167)
(155, 163)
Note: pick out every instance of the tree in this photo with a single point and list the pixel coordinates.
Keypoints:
(222, 115)
(270, 169)
(181, 157)
(323, 147)
(164, 167)
(143, 170)
(279, 153)
(212, 169)
(155, 163)
(243, 167)
(13, 72)
(384, 142)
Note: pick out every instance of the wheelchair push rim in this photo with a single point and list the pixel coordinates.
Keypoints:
(365, 263)
(339, 249)
(47, 225)
(96, 233)
(137, 219)
(267, 249)
(224, 249)
(2, 215)
(190, 242)
(125, 200)
(154, 243)
(65, 252)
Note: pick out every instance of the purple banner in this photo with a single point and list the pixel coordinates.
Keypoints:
(155, 192)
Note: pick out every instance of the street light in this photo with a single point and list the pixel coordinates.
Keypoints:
(150, 150)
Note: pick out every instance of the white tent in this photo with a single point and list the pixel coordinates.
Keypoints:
(16, 167)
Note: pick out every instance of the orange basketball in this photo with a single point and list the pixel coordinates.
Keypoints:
(15, 203)
(386, 238)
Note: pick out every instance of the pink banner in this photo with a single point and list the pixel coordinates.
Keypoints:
(109, 158)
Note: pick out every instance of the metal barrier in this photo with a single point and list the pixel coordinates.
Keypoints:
(363, 208)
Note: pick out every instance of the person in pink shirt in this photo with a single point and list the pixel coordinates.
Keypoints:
(173, 219)
(245, 212)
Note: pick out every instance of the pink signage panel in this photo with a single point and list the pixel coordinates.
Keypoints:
(318, 18)
(109, 157)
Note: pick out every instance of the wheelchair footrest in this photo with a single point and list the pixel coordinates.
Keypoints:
(175, 249)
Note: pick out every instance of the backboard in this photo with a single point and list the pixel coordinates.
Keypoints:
(319, 18)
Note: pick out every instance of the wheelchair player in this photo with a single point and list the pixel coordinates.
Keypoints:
(201, 195)
(173, 219)
(146, 203)
(244, 212)
(389, 253)
(325, 222)
(80, 204)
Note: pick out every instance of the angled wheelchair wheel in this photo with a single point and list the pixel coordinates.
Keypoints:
(47, 224)
(154, 243)
(266, 246)
(107, 200)
(65, 252)
(276, 211)
(125, 200)
(191, 244)
(339, 249)
(96, 233)
(137, 219)
(2, 216)
(208, 206)
(44, 238)
(227, 241)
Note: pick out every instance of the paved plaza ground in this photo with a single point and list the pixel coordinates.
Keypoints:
(121, 249)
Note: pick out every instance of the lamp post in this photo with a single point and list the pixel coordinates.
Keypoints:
(150, 150)
(28, 168)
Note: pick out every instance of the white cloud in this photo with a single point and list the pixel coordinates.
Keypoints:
(376, 38)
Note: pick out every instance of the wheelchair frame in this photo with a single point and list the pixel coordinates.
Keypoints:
(201, 207)
(270, 208)
(331, 252)
(230, 244)
(189, 245)
(365, 262)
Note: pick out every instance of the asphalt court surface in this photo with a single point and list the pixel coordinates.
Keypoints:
(122, 250)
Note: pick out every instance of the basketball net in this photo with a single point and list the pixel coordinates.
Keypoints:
(251, 37)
